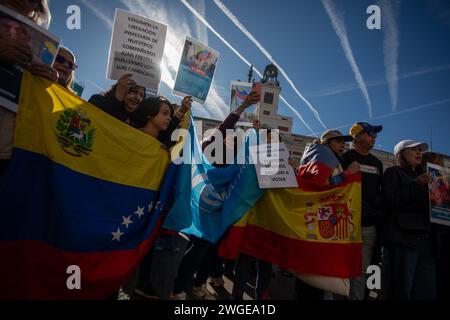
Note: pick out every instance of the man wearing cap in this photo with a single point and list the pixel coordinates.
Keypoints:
(407, 234)
(364, 137)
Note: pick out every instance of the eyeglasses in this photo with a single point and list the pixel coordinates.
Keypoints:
(62, 60)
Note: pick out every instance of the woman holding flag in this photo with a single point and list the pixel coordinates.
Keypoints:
(320, 165)
(320, 168)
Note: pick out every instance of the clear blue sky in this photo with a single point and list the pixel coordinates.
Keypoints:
(401, 72)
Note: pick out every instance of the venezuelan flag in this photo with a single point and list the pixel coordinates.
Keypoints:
(305, 231)
(81, 194)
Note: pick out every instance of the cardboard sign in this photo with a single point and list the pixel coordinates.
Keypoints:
(272, 171)
(137, 47)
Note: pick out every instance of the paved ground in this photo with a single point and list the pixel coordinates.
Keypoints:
(165, 266)
(281, 287)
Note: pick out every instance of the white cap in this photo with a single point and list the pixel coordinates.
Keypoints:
(409, 144)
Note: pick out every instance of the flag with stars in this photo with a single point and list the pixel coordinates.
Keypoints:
(79, 202)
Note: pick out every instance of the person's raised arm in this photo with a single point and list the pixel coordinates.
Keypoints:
(252, 98)
(123, 86)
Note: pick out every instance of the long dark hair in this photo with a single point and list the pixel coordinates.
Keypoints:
(149, 108)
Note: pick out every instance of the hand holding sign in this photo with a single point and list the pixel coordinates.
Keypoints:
(123, 86)
(45, 71)
(23, 43)
(424, 178)
(13, 51)
(252, 98)
(186, 104)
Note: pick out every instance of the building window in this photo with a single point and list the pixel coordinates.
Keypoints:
(266, 113)
(268, 97)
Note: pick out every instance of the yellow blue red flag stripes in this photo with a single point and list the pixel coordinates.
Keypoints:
(81, 190)
(304, 231)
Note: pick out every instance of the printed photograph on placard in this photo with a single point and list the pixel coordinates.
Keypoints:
(239, 92)
(439, 194)
(196, 70)
(42, 43)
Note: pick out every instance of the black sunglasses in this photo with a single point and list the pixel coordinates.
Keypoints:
(62, 60)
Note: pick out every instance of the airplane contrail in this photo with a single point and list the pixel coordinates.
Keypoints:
(99, 13)
(203, 20)
(244, 30)
(351, 86)
(422, 106)
(391, 43)
(339, 28)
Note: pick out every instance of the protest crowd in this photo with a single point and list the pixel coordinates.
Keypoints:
(385, 220)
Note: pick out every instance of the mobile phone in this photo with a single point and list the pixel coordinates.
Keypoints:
(257, 87)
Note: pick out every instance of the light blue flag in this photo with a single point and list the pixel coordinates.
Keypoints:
(208, 199)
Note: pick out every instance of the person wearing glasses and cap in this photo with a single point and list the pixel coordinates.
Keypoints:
(407, 234)
(364, 137)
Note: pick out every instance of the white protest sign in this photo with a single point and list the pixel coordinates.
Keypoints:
(272, 167)
(137, 46)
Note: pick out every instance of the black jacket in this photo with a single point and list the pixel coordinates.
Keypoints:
(109, 104)
(371, 176)
(407, 210)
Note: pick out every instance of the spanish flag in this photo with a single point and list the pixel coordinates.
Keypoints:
(308, 232)
(79, 203)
